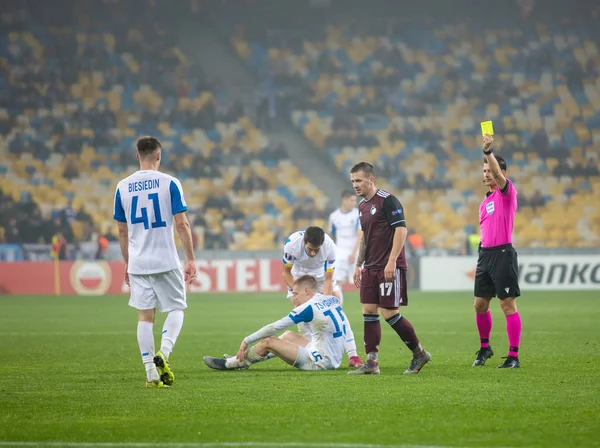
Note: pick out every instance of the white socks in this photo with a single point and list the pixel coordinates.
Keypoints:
(233, 363)
(252, 356)
(145, 337)
(170, 332)
(146, 343)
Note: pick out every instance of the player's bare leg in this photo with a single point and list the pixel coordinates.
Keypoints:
(406, 331)
(513, 329)
(483, 318)
(372, 340)
(295, 338)
(350, 345)
(289, 336)
(284, 347)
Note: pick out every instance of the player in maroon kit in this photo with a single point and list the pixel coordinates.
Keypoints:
(382, 279)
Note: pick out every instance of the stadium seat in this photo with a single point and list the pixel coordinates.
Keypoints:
(538, 106)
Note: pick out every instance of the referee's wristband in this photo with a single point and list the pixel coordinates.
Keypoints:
(487, 153)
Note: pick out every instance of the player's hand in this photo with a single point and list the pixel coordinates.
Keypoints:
(390, 271)
(241, 354)
(357, 276)
(487, 142)
(351, 258)
(190, 271)
(126, 274)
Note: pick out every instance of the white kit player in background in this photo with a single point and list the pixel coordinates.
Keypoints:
(313, 252)
(344, 226)
(322, 351)
(146, 205)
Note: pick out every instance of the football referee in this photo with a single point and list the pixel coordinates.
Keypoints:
(497, 266)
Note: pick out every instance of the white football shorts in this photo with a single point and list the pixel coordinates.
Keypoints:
(310, 359)
(165, 289)
(344, 271)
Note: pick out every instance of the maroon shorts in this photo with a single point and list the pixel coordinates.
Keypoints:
(376, 290)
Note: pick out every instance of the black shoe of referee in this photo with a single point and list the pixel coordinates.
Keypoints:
(483, 354)
(512, 362)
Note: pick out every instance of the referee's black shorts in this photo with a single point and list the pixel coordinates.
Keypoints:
(497, 273)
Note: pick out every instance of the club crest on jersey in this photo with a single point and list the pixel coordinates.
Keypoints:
(490, 208)
(373, 209)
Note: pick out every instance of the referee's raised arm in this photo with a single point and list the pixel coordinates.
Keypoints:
(493, 164)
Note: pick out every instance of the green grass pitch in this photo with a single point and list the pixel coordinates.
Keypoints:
(70, 371)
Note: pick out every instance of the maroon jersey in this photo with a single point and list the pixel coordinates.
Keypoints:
(379, 217)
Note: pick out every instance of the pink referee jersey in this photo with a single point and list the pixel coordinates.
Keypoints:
(497, 216)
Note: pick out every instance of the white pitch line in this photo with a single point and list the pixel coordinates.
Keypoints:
(67, 333)
(211, 445)
(90, 333)
(207, 333)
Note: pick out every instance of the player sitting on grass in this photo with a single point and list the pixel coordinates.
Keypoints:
(313, 252)
(324, 351)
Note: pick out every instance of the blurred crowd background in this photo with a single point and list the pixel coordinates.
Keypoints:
(401, 85)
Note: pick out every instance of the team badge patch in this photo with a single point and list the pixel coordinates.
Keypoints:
(373, 209)
(490, 208)
(288, 257)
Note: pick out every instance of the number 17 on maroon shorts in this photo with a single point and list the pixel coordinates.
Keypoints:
(375, 289)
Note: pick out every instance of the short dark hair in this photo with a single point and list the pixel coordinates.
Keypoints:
(314, 236)
(347, 194)
(501, 162)
(147, 146)
(365, 167)
(307, 281)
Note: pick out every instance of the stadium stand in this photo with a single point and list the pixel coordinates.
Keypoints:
(75, 98)
(408, 95)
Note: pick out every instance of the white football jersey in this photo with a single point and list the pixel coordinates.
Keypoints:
(147, 201)
(327, 323)
(343, 227)
(294, 255)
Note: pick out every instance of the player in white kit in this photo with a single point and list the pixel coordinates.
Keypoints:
(322, 351)
(344, 227)
(313, 252)
(147, 203)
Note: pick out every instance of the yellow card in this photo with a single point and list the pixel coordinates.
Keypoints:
(487, 128)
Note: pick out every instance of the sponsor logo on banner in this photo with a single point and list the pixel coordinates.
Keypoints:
(90, 278)
(99, 278)
(535, 272)
(576, 272)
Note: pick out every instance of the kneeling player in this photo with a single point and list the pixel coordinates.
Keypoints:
(313, 252)
(324, 351)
